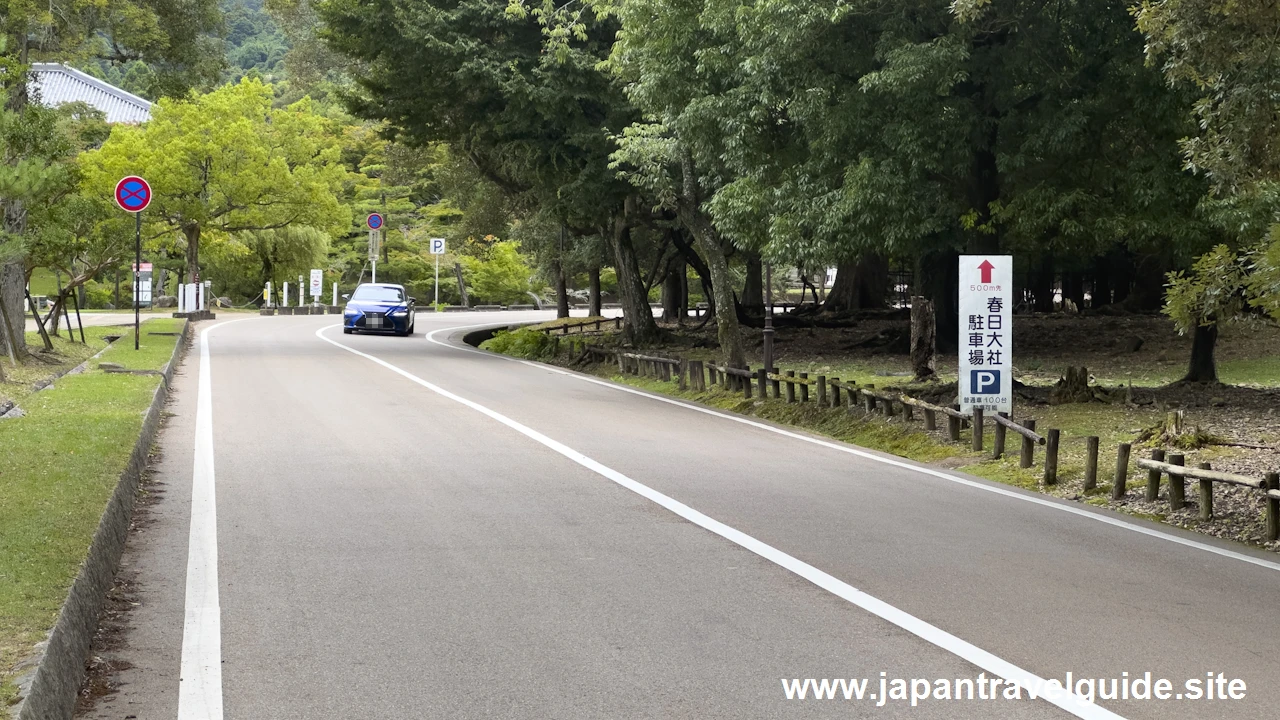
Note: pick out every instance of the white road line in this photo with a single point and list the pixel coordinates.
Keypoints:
(929, 633)
(1043, 502)
(200, 683)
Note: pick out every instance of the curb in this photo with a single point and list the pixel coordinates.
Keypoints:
(60, 671)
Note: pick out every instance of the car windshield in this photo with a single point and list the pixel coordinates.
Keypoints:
(378, 294)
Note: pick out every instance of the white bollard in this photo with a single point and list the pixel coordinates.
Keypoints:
(286, 295)
(182, 298)
(302, 293)
(200, 295)
(335, 294)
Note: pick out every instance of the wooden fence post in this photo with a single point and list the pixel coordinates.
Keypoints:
(835, 393)
(1122, 471)
(791, 387)
(804, 388)
(777, 385)
(1206, 495)
(1153, 477)
(1177, 485)
(822, 390)
(762, 382)
(682, 369)
(1028, 457)
(746, 387)
(997, 450)
(1051, 457)
(908, 412)
(977, 429)
(1273, 508)
(666, 372)
(1091, 462)
(930, 419)
(953, 428)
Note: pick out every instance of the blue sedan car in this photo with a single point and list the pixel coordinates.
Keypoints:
(379, 308)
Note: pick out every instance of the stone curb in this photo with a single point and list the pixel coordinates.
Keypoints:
(60, 665)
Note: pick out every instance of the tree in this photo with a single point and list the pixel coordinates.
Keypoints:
(538, 125)
(1226, 51)
(1212, 293)
(501, 277)
(228, 162)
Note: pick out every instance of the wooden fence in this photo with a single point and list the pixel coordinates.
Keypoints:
(798, 387)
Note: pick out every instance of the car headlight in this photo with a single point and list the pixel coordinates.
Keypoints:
(399, 313)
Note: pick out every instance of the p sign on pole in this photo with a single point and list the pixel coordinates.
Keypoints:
(133, 194)
(986, 333)
(437, 249)
(375, 221)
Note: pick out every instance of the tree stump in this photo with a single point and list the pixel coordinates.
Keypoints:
(924, 338)
(1072, 388)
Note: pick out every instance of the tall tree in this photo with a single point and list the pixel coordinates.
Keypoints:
(534, 123)
(228, 162)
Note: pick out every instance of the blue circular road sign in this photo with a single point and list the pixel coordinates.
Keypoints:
(375, 221)
(133, 194)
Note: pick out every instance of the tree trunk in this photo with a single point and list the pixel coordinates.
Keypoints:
(192, 233)
(704, 233)
(684, 291)
(1073, 290)
(638, 324)
(593, 277)
(861, 284)
(753, 289)
(924, 337)
(671, 289)
(937, 273)
(1147, 294)
(1042, 285)
(562, 293)
(13, 284)
(1203, 367)
(1100, 293)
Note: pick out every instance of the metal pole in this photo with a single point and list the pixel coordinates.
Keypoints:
(375, 270)
(137, 278)
(437, 305)
(768, 319)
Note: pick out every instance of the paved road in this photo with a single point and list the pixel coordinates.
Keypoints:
(406, 529)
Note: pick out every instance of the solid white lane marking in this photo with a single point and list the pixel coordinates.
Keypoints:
(929, 633)
(200, 684)
(1043, 502)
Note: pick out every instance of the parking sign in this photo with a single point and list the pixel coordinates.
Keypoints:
(437, 246)
(986, 333)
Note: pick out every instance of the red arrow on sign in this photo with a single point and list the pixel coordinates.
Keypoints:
(986, 267)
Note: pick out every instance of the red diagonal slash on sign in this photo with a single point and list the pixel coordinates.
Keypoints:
(986, 267)
(133, 194)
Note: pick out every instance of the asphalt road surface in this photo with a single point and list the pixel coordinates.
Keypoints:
(380, 527)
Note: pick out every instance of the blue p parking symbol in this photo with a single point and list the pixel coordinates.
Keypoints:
(984, 382)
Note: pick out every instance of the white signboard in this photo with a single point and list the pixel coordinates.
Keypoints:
(144, 291)
(437, 246)
(375, 245)
(317, 283)
(986, 333)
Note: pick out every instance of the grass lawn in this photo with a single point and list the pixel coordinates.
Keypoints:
(58, 469)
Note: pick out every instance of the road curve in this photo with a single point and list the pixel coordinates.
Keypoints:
(408, 528)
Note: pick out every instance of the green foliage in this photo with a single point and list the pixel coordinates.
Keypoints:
(1225, 50)
(178, 40)
(227, 162)
(500, 277)
(1212, 292)
(524, 342)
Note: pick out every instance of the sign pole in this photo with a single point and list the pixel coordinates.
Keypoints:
(137, 277)
(768, 319)
(437, 308)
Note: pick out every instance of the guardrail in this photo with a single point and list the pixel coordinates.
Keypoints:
(798, 387)
(596, 325)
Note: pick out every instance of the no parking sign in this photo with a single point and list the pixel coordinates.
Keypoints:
(133, 194)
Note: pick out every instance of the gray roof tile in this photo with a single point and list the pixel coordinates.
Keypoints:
(54, 84)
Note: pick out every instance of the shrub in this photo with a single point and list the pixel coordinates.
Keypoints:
(524, 342)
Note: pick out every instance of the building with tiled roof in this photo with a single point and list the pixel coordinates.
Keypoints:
(53, 84)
